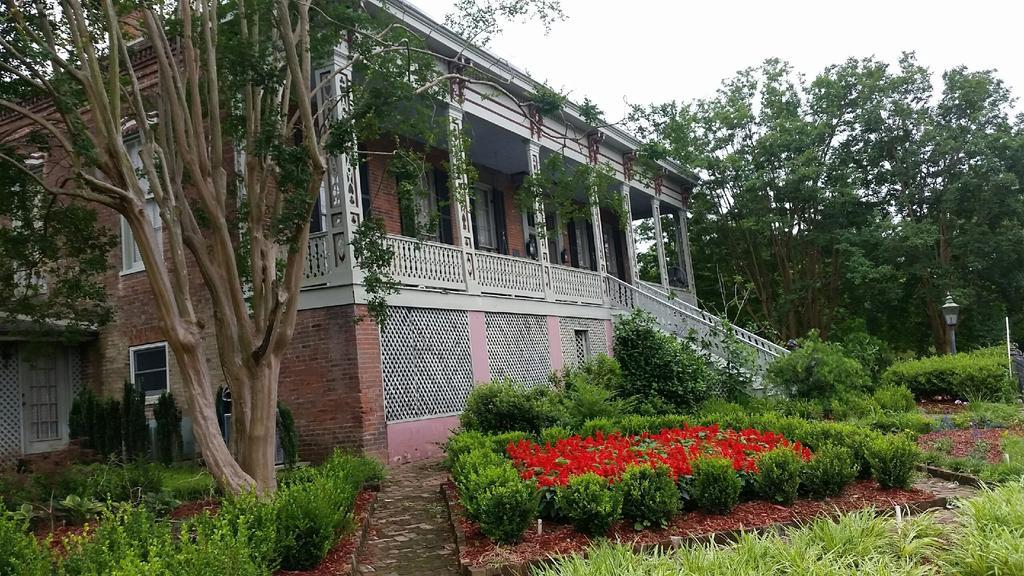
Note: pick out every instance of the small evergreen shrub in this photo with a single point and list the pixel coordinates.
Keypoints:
(22, 554)
(715, 486)
(590, 503)
(168, 446)
(649, 496)
(892, 460)
(974, 376)
(830, 470)
(500, 407)
(778, 475)
(463, 443)
(501, 502)
(289, 437)
(585, 400)
(553, 434)
(817, 369)
(467, 469)
(895, 399)
(847, 405)
(96, 422)
(134, 423)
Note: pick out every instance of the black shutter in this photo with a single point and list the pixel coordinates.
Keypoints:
(444, 206)
(364, 186)
(498, 199)
(593, 245)
(472, 218)
(574, 249)
(406, 213)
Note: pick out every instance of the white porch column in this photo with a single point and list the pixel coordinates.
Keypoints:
(540, 224)
(344, 201)
(457, 162)
(634, 271)
(683, 246)
(601, 262)
(660, 238)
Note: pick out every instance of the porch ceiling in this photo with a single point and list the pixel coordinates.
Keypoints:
(494, 147)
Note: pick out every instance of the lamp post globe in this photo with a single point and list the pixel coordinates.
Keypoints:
(951, 314)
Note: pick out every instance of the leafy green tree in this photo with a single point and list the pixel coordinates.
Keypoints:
(192, 82)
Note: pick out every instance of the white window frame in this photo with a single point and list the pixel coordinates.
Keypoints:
(131, 259)
(485, 202)
(167, 367)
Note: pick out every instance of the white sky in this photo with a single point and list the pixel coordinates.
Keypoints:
(647, 51)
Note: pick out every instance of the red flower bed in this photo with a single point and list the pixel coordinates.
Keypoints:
(677, 448)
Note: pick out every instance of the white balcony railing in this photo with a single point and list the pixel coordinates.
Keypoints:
(317, 260)
(508, 275)
(427, 264)
(575, 285)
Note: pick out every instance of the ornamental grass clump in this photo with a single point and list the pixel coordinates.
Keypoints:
(649, 496)
(892, 460)
(716, 486)
(590, 504)
(830, 470)
(778, 475)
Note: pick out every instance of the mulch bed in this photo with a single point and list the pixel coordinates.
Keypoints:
(476, 550)
(189, 509)
(964, 442)
(57, 537)
(339, 560)
(941, 406)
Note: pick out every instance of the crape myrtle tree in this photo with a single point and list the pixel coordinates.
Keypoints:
(233, 150)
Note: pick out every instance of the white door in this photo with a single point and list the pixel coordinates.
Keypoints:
(46, 399)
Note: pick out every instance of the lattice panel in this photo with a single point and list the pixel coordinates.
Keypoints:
(426, 361)
(517, 348)
(10, 405)
(572, 351)
(75, 370)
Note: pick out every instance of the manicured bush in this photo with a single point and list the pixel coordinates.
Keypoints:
(649, 496)
(658, 371)
(467, 468)
(892, 460)
(778, 475)
(830, 470)
(817, 369)
(848, 405)
(500, 407)
(895, 399)
(22, 554)
(590, 503)
(501, 502)
(601, 370)
(973, 376)
(168, 445)
(464, 442)
(553, 434)
(715, 486)
(286, 432)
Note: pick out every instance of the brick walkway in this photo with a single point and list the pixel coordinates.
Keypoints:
(410, 534)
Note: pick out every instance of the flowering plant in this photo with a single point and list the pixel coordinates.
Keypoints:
(609, 455)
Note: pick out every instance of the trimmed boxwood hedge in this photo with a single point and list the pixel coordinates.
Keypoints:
(979, 375)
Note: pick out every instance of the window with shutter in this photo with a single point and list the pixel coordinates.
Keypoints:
(131, 258)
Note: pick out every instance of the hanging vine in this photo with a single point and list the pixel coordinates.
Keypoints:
(571, 192)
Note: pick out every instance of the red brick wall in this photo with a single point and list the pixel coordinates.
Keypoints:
(331, 379)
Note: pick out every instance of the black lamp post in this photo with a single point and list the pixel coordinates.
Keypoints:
(951, 313)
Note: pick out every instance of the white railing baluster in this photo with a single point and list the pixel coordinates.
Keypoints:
(426, 264)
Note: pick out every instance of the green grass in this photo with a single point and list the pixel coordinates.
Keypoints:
(188, 483)
(988, 540)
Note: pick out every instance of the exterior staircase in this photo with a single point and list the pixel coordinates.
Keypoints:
(684, 320)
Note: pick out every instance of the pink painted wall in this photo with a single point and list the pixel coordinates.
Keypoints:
(419, 439)
(555, 343)
(478, 346)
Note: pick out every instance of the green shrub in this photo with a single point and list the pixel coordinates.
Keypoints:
(168, 446)
(585, 400)
(974, 376)
(127, 540)
(468, 467)
(658, 371)
(500, 407)
(830, 470)
(778, 475)
(892, 460)
(590, 503)
(899, 422)
(501, 502)
(601, 370)
(553, 434)
(715, 486)
(847, 405)
(289, 437)
(463, 443)
(895, 399)
(604, 425)
(96, 422)
(22, 554)
(134, 423)
(215, 548)
(649, 496)
(817, 369)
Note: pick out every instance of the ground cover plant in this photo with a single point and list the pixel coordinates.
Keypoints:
(992, 454)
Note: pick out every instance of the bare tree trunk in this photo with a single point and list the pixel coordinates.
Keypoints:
(255, 424)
